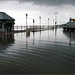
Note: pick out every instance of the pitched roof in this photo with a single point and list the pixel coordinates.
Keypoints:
(4, 16)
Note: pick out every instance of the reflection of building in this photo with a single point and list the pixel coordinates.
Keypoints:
(6, 22)
(70, 36)
(9, 39)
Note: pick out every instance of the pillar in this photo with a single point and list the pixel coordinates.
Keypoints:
(12, 27)
(3, 27)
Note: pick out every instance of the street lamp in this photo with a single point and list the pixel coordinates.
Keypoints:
(40, 22)
(26, 20)
(56, 13)
(48, 23)
(33, 24)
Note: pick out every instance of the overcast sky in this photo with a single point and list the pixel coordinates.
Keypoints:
(35, 8)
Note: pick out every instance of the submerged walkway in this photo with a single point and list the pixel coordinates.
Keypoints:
(13, 32)
(19, 29)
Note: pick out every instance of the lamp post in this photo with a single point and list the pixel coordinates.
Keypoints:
(56, 13)
(33, 24)
(40, 22)
(48, 23)
(26, 20)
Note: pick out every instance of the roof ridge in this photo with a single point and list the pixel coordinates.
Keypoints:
(5, 16)
(2, 12)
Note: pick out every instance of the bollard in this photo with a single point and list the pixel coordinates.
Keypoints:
(28, 32)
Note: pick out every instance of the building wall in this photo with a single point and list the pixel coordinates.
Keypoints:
(7, 26)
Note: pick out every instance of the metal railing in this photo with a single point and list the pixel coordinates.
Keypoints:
(22, 28)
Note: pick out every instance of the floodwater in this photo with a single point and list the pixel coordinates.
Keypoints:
(45, 52)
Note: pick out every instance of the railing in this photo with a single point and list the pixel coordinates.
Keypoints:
(22, 28)
(19, 28)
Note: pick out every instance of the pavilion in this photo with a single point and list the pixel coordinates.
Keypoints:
(6, 22)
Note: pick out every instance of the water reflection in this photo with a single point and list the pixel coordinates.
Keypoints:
(6, 42)
(48, 35)
(7, 39)
(35, 54)
(55, 33)
(70, 36)
(33, 38)
(57, 36)
(27, 36)
(40, 37)
(70, 40)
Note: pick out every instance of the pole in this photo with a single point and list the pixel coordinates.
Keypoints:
(48, 23)
(33, 24)
(55, 23)
(26, 20)
(40, 22)
(55, 18)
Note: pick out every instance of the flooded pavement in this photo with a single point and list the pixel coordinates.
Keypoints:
(46, 52)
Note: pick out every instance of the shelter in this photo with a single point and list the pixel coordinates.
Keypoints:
(6, 22)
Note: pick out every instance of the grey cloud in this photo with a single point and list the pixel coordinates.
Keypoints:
(46, 2)
(50, 2)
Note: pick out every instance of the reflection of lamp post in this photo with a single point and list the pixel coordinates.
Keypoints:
(33, 38)
(55, 18)
(26, 20)
(40, 22)
(53, 22)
